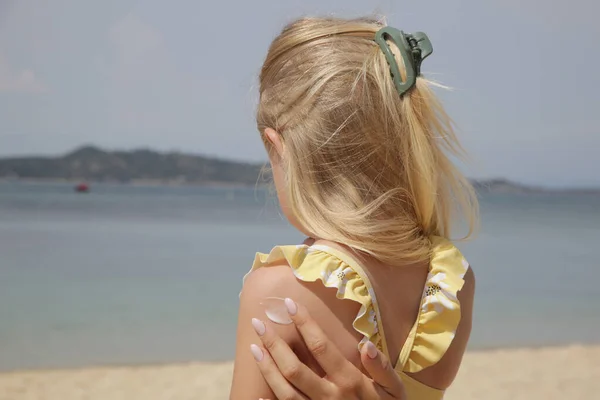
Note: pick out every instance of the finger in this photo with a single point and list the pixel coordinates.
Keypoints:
(381, 371)
(294, 371)
(325, 352)
(278, 384)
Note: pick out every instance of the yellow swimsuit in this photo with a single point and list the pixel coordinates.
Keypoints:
(438, 317)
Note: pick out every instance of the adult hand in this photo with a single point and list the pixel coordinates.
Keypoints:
(290, 379)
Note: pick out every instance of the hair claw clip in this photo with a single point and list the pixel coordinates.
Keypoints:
(414, 48)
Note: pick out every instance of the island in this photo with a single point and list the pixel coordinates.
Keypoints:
(92, 164)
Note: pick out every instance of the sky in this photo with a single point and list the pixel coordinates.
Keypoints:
(182, 75)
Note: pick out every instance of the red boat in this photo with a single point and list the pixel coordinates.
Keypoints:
(82, 188)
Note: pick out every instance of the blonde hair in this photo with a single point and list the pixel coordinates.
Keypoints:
(364, 166)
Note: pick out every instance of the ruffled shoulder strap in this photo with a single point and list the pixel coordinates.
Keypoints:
(335, 269)
(439, 314)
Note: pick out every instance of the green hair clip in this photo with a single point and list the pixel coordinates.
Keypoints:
(414, 48)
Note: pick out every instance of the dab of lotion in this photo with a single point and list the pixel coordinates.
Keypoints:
(276, 310)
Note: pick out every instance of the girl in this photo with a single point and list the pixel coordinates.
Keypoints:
(359, 147)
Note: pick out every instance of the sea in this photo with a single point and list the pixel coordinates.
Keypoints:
(136, 275)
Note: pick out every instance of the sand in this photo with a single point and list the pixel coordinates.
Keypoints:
(571, 372)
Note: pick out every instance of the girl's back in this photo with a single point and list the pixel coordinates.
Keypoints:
(359, 160)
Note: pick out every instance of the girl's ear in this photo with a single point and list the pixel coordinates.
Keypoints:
(275, 139)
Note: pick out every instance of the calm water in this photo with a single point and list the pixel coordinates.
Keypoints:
(143, 275)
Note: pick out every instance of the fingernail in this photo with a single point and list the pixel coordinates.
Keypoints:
(291, 306)
(256, 352)
(371, 350)
(258, 326)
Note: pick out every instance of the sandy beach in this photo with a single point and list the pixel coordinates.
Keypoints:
(571, 372)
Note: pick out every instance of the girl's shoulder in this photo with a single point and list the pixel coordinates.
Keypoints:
(322, 274)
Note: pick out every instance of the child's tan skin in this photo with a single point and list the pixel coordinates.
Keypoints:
(289, 378)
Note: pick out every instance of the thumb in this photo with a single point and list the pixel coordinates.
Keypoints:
(381, 371)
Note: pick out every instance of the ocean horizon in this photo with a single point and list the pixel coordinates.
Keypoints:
(142, 275)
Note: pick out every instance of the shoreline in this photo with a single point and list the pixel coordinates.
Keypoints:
(482, 187)
(570, 371)
(132, 183)
(218, 362)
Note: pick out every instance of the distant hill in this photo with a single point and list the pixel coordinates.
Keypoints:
(503, 186)
(506, 186)
(93, 164)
